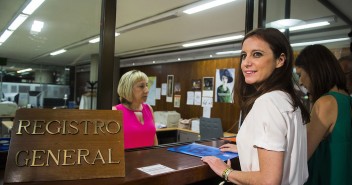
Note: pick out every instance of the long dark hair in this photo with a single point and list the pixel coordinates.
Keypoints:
(280, 79)
(323, 70)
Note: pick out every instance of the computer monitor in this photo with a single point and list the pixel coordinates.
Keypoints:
(53, 102)
(34, 93)
(34, 98)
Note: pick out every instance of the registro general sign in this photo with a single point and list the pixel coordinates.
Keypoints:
(64, 144)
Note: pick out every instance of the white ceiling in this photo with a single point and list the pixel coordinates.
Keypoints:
(71, 23)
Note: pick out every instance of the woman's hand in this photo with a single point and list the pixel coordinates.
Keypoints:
(216, 164)
(228, 148)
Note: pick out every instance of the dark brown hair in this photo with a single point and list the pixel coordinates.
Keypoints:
(280, 79)
(322, 68)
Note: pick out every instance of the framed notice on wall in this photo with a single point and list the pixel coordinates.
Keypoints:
(208, 86)
(170, 88)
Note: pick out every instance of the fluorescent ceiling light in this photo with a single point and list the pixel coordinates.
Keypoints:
(319, 42)
(228, 52)
(24, 70)
(284, 23)
(206, 6)
(211, 41)
(17, 22)
(32, 6)
(37, 26)
(311, 25)
(58, 52)
(306, 26)
(97, 39)
(5, 35)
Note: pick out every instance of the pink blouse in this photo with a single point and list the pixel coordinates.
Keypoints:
(137, 134)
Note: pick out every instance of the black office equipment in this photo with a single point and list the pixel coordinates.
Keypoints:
(210, 128)
(53, 102)
(34, 98)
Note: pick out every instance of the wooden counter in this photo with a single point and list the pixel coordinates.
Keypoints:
(188, 169)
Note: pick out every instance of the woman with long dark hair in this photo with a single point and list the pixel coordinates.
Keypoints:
(271, 142)
(329, 132)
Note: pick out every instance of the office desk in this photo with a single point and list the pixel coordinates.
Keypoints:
(188, 169)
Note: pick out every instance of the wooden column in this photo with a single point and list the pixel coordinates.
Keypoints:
(107, 50)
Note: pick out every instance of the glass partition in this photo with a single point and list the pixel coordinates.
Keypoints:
(28, 62)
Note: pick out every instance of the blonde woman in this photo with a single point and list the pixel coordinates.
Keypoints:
(138, 119)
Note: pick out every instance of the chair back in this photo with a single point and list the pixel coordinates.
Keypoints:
(210, 128)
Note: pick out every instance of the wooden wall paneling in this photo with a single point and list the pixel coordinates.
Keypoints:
(185, 72)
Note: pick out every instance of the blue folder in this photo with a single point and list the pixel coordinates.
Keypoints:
(200, 150)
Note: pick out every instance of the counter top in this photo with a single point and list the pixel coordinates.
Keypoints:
(188, 169)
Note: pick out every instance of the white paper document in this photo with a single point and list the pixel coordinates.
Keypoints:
(163, 89)
(157, 93)
(206, 112)
(197, 98)
(190, 97)
(156, 169)
(207, 101)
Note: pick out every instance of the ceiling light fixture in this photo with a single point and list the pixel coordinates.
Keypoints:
(284, 23)
(24, 70)
(5, 35)
(58, 52)
(17, 22)
(319, 42)
(206, 6)
(311, 25)
(212, 41)
(32, 6)
(97, 39)
(228, 52)
(37, 26)
(28, 10)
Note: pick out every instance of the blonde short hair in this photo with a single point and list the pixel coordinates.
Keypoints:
(127, 81)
